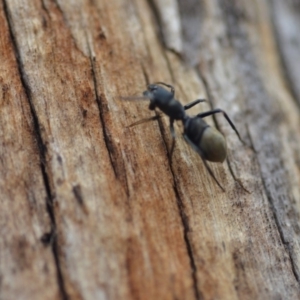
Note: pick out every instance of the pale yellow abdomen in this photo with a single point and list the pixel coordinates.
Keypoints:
(213, 145)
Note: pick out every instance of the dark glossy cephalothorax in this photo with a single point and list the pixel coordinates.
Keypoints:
(208, 142)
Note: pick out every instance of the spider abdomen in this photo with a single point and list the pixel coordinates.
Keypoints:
(213, 145)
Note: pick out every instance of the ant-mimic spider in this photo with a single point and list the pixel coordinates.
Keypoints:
(208, 142)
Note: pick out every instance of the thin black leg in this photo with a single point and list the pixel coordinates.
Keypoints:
(167, 85)
(190, 105)
(218, 110)
(173, 137)
(144, 120)
(198, 150)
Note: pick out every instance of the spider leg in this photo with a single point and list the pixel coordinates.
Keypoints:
(144, 121)
(191, 104)
(218, 110)
(173, 137)
(198, 150)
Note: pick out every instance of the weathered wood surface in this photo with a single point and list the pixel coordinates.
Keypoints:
(91, 209)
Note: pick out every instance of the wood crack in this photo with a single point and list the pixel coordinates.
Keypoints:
(184, 219)
(279, 228)
(42, 155)
(239, 40)
(119, 172)
(183, 216)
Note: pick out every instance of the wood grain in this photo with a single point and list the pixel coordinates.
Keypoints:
(92, 209)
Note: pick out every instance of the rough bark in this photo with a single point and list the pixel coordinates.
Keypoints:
(91, 209)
